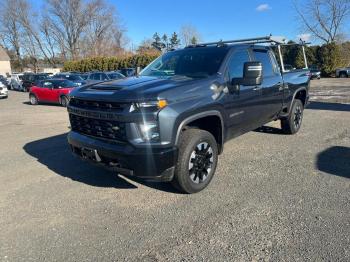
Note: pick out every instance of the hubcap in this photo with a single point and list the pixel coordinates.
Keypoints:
(298, 115)
(32, 99)
(201, 162)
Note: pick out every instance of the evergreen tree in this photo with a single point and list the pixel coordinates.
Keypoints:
(165, 41)
(194, 40)
(157, 42)
(329, 58)
(174, 41)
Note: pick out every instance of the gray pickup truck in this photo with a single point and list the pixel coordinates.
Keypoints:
(170, 123)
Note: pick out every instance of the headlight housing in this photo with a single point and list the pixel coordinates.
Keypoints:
(149, 105)
(149, 131)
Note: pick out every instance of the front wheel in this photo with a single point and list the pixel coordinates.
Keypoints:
(292, 123)
(64, 101)
(198, 156)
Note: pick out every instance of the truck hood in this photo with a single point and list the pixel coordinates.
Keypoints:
(131, 88)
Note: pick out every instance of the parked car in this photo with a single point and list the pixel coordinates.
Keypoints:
(3, 80)
(171, 122)
(74, 77)
(103, 76)
(28, 80)
(3, 91)
(51, 91)
(315, 73)
(84, 76)
(343, 72)
(128, 72)
(16, 82)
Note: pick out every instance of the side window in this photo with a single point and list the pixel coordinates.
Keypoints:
(236, 64)
(104, 77)
(47, 84)
(96, 76)
(264, 57)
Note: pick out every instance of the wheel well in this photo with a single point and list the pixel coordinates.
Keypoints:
(212, 124)
(301, 95)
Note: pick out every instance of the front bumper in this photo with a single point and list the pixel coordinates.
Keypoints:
(3, 93)
(153, 164)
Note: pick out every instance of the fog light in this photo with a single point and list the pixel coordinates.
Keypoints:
(149, 131)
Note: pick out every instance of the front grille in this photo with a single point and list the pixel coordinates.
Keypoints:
(98, 128)
(97, 105)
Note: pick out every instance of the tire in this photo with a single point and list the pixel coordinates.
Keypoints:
(292, 124)
(33, 100)
(198, 152)
(343, 75)
(64, 101)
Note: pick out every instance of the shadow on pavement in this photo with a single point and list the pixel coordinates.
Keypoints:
(42, 104)
(328, 106)
(54, 153)
(269, 130)
(335, 161)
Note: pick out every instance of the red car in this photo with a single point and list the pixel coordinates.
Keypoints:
(51, 91)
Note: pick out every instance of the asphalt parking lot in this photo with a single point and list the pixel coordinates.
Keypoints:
(274, 197)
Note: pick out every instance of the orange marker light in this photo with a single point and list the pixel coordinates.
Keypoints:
(162, 103)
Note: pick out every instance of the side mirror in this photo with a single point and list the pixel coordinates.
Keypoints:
(252, 75)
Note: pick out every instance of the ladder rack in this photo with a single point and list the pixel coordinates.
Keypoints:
(277, 41)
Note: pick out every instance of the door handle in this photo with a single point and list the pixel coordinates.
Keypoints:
(257, 88)
(280, 86)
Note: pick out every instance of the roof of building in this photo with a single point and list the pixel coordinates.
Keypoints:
(3, 55)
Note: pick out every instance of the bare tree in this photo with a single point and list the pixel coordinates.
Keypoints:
(11, 30)
(28, 20)
(104, 34)
(323, 18)
(188, 33)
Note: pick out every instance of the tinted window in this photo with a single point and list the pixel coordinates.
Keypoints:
(115, 75)
(104, 77)
(70, 77)
(62, 84)
(74, 78)
(264, 57)
(96, 76)
(236, 64)
(40, 77)
(47, 84)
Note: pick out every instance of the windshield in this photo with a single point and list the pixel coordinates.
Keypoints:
(191, 62)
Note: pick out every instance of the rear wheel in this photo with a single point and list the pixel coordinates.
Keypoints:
(292, 124)
(33, 99)
(198, 156)
(64, 101)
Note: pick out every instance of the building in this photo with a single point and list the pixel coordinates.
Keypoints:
(5, 65)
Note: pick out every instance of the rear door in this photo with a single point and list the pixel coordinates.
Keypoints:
(272, 85)
(242, 107)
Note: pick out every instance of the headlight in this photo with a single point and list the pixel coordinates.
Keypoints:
(149, 132)
(149, 105)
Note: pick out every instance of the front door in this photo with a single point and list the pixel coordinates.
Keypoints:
(46, 91)
(242, 107)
